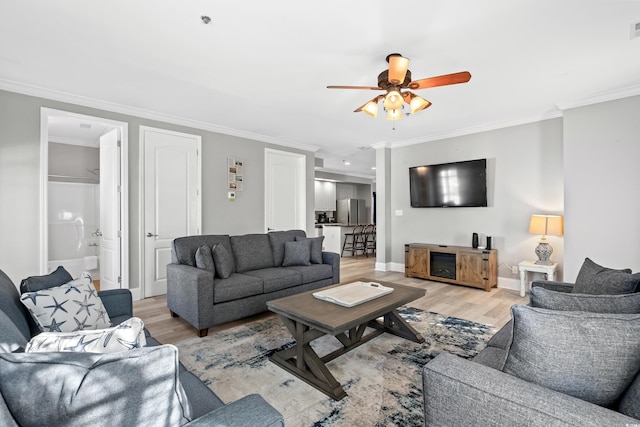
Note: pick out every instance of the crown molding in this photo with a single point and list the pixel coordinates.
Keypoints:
(601, 97)
(55, 95)
(478, 129)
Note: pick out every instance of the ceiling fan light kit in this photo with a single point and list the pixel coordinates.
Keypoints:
(396, 78)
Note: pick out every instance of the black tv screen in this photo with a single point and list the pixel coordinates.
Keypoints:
(459, 184)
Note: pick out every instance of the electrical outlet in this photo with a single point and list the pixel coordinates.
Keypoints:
(514, 269)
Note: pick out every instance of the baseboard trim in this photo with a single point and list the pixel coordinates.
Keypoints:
(503, 282)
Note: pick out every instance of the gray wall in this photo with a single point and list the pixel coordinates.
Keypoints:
(525, 177)
(602, 207)
(75, 161)
(20, 181)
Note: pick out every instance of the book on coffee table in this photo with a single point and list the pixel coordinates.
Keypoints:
(352, 294)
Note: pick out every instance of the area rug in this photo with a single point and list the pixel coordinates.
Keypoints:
(381, 377)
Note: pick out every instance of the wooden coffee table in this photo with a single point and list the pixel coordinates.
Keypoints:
(309, 318)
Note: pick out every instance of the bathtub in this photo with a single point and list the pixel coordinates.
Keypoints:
(75, 267)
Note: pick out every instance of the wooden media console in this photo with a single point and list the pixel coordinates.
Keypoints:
(460, 265)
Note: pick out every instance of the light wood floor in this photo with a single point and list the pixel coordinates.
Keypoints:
(490, 308)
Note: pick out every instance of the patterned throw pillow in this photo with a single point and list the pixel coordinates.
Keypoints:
(126, 336)
(71, 307)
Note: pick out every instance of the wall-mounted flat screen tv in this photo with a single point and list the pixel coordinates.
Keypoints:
(459, 184)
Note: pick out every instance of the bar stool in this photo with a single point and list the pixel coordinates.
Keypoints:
(370, 240)
(353, 241)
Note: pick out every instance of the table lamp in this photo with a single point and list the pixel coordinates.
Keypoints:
(545, 225)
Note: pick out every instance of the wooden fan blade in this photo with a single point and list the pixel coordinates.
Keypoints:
(398, 66)
(355, 87)
(376, 100)
(447, 79)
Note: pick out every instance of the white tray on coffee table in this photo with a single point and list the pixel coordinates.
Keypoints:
(352, 294)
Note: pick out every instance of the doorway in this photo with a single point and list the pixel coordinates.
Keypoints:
(285, 191)
(84, 209)
(170, 188)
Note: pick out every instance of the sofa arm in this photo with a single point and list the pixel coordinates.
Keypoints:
(190, 293)
(553, 286)
(117, 302)
(251, 410)
(459, 392)
(334, 260)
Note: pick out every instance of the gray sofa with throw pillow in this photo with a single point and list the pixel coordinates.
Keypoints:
(144, 386)
(570, 358)
(215, 279)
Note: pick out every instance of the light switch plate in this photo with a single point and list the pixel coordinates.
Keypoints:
(399, 212)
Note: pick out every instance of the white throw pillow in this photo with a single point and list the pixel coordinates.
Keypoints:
(126, 336)
(74, 306)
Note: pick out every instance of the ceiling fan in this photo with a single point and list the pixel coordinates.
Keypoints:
(397, 78)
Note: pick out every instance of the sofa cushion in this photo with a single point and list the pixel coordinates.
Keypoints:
(492, 357)
(235, 287)
(314, 272)
(274, 279)
(552, 300)
(36, 283)
(71, 307)
(251, 252)
(596, 279)
(502, 338)
(222, 261)
(126, 336)
(316, 248)
(82, 389)
(573, 352)
(204, 259)
(278, 239)
(630, 403)
(11, 306)
(297, 253)
(11, 338)
(184, 248)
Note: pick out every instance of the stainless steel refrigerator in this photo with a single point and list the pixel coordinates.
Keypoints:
(352, 212)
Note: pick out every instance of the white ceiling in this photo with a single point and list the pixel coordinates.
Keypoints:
(260, 69)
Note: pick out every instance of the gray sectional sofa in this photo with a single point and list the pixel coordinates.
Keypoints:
(246, 271)
(140, 387)
(567, 359)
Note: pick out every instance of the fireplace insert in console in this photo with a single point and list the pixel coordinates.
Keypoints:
(443, 265)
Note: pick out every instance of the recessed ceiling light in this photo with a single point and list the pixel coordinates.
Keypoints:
(373, 168)
(346, 162)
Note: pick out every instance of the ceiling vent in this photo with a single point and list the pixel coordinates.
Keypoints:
(85, 126)
(635, 30)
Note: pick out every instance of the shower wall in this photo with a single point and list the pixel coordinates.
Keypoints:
(74, 220)
(74, 209)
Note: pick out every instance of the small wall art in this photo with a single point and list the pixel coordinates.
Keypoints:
(235, 174)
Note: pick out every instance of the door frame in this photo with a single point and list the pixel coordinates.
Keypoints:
(141, 198)
(123, 129)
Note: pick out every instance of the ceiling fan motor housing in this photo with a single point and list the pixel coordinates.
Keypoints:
(383, 80)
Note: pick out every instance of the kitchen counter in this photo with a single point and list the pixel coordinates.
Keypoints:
(334, 236)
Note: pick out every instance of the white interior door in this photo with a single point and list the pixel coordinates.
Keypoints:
(110, 212)
(285, 191)
(171, 197)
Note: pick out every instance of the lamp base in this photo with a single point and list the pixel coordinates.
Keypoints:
(544, 251)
